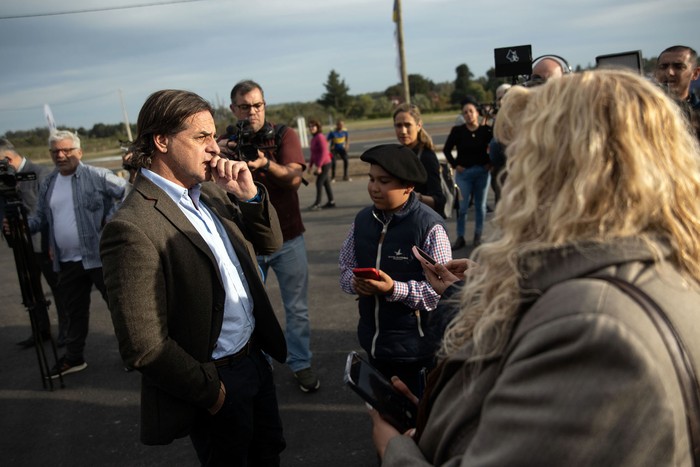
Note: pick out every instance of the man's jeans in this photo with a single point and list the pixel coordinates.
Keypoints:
(472, 181)
(291, 268)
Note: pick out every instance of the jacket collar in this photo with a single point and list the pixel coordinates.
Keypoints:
(410, 205)
(542, 268)
(164, 204)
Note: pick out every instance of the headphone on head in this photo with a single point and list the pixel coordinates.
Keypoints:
(531, 80)
(563, 64)
(565, 67)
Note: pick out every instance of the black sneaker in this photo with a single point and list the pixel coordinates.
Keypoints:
(63, 368)
(307, 379)
(28, 343)
(459, 243)
(329, 204)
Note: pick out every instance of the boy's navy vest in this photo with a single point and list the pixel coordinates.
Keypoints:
(400, 330)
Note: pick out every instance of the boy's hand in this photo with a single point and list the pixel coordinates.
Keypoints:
(368, 287)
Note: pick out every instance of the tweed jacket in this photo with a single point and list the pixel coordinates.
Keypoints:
(584, 380)
(166, 298)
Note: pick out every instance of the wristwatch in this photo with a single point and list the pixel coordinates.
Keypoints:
(265, 167)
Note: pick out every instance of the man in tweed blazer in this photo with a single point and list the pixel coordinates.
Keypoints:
(188, 304)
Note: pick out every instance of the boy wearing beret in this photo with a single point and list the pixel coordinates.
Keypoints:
(395, 325)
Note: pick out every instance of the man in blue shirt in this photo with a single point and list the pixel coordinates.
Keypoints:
(339, 140)
(74, 203)
(187, 299)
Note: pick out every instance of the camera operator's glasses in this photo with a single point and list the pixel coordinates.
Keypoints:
(248, 107)
(66, 151)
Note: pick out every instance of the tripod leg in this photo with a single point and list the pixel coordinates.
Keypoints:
(38, 333)
(30, 284)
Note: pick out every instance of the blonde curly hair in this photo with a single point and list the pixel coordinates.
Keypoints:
(592, 156)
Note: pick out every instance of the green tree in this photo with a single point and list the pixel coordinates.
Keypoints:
(394, 92)
(362, 106)
(462, 83)
(443, 93)
(336, 95)
(383, 106)
(477, 91)
(417, 84)
(491, 83)
(423, 101)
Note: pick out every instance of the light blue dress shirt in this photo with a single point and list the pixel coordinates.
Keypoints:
(239, 322)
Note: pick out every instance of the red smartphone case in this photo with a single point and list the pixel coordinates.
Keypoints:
(366, 273)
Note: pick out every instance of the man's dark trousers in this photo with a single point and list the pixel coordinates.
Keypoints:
(74, 287)
(247, 431)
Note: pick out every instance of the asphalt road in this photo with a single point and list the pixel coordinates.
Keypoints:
(93, 421)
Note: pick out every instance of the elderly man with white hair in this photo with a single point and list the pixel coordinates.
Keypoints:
(75, 201)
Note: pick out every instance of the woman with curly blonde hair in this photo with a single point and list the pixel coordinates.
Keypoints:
(545, 363)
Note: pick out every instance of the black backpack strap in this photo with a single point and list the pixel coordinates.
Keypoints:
(687, 379)
(279, 133)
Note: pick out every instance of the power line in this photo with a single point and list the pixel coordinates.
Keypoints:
(92, 10)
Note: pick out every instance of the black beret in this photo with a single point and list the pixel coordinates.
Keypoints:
(398, 161)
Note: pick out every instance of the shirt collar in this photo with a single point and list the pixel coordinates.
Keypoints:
(173, 190)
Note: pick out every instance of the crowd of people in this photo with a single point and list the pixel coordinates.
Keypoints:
(537, 347)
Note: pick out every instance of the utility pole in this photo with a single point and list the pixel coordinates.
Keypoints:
(402, 56)
(126, 117)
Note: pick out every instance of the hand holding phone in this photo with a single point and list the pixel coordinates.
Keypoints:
(377, 390)
(424, 258)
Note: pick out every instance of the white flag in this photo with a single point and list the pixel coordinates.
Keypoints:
(49, 118)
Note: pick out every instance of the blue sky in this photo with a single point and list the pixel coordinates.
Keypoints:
(78, 63)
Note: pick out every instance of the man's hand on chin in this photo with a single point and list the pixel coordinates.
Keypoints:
(234, 177)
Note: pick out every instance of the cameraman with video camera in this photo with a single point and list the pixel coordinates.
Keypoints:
(274, 156)
(20, 178)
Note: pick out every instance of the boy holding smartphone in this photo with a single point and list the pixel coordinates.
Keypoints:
(394, 327)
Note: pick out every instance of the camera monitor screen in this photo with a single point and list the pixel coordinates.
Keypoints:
(513, 61)
(632, 60)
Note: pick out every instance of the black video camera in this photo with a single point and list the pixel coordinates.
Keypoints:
(249, 142)
(9, 178)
